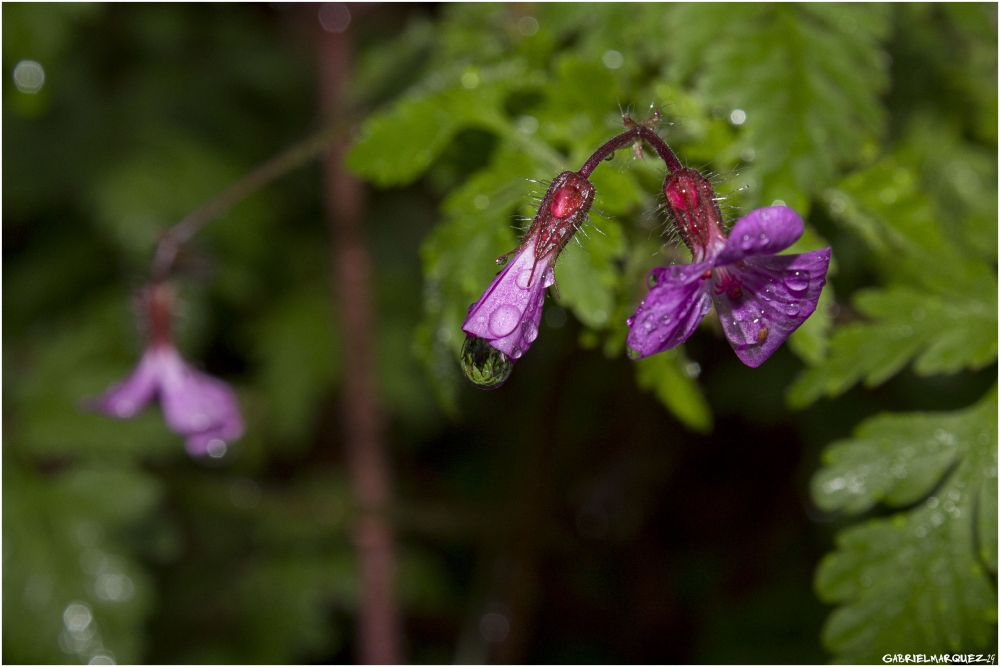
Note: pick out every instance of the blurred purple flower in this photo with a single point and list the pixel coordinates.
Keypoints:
(760, 297)
(510, 310)
(199, 407)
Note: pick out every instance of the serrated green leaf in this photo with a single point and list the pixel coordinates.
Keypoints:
(943, 336)
(809, 89)
(917, 579)
(668, 375)
(399, 144)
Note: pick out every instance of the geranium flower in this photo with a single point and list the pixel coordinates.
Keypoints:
(510, 310)
(199, 407)
(761, 297)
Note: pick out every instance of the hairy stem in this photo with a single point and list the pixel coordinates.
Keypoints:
(609, 147)
(378, 623)
(661, 147)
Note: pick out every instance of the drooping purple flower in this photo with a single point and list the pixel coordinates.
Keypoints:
(510, 310)
(761, 297)
(199, 407)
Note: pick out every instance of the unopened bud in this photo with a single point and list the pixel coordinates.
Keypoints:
(692, 203)
(563, 210)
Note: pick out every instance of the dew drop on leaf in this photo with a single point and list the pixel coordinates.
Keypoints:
(485, 366)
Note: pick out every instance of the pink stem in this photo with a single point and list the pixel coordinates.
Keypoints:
(379, 623)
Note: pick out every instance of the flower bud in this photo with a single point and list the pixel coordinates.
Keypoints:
(563, 210)
(692, 204)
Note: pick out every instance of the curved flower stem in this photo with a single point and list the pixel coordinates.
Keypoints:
(634, 132)
(661, 147)
(310, 148)
(609, 147)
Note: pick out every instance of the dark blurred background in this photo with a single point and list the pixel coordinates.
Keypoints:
(565, 518)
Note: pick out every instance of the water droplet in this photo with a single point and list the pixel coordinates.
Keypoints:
(652, 279)
(647, 325)
(797, 281)
(524, 279)
(485, 366)
(610, 157)
(503, 320)
(747, 242)
(632, 353)
(763, 238)
(665, 319)
(516, 352)
(529, 330)
(630, 321)
(792, 308)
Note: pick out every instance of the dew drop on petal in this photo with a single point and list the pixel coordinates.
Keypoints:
(516, 352)
(631, 320)
(797, 281)
(483, 365)
(503, 320)
(529, 330)
(792, 308)
(647, 325)
(632, 353)
(524, 279)
(747, 242)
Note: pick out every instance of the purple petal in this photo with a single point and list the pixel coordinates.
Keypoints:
(764, 231)
(195, 404)
(126, 398)
(509, 312)
(777, 294)
(671, 311)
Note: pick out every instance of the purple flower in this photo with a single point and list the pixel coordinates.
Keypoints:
(509, 312)
(760, 297)
(199, 407)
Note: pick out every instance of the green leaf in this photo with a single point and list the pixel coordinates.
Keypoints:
(943, 335)
(586, 274)
(919, 578)
(809, 87)
(397, 145)
(668, 374)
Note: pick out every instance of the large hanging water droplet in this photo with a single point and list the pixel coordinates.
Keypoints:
(797, 281)
(485, 366)
(632, 353)
(610, 157)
